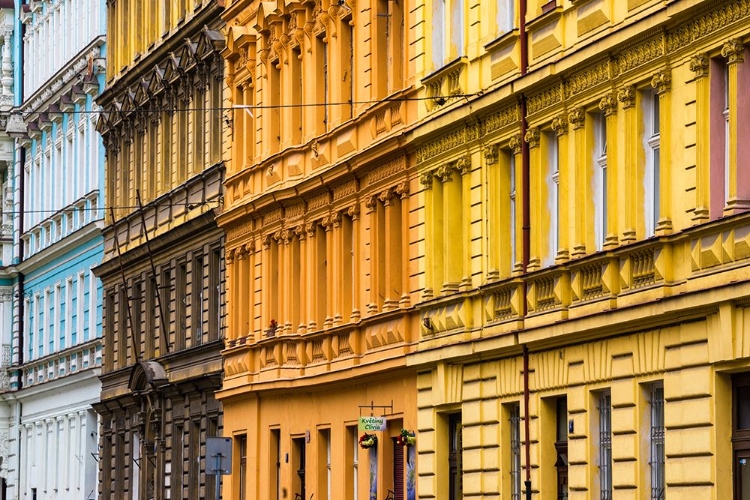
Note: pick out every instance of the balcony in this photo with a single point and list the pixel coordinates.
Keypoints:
(60, 364)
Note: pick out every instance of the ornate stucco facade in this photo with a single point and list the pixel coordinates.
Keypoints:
(317, 227)
(536, 247)
(162, 272)
(54, 195)
(585, 212)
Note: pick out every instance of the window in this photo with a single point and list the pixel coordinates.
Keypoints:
(512, 208)
(178, 443)
(561, 447)
(398, 470)
(438, 28)
(651, 145)
(298, 475)
(455, 450)
(600, 179)
(136, 465)
(515, 451)
(324, 464)
(605, 444)
(242, 456)
(506, 16)
(656, 459)
(353, 438)
(276, 447)
(553, 188)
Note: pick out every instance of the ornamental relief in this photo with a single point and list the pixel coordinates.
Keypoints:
(686, 35)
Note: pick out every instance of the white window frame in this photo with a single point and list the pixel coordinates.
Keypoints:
(600, 181)
(553, 188)
(505, 17)
(652, 148)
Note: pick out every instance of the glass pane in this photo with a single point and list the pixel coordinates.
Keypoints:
(743, 472)
(743, 407)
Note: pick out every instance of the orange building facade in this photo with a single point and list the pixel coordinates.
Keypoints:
(317, 225)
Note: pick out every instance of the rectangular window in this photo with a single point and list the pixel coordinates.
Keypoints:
(605, 445)
(561, 447)
(198, 299)
(324, 463)
(553, 188)
(505, 16)
(438, 29)
(455, 450)
(275, 460)
(214, 295)
(600, 179)
(651, 146)
(515, 451)
(242, 469)
(181, 298)
(353, 459)
(298, 464)
(178, 444)
(512, 209)
(656, 460)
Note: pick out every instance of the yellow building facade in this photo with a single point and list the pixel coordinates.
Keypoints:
(582, 250)
(522, 224)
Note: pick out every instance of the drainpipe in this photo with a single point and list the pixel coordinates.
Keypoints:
(21, 291)
(526, 237)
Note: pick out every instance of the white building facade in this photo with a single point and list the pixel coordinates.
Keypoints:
(54, 342)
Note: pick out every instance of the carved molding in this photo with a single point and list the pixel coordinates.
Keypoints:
(733, 51)
(577, 117)
(699, 64)
(560, 125)
(661, 81)
(608, 105)
(626, 96)
(533, 134)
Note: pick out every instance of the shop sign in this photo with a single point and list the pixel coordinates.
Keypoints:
(372, 423)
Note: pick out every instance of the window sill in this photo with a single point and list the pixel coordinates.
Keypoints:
(503, 40)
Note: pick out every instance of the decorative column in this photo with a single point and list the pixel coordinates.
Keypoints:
(428, 290)
(608, 106)
(661, 82)
(452, 237)
(302, 281)
(336, 269)
(699, 64)
(632, 178)
(560, 128)
(738, 195)
(536, 203)
(492, 191)
(329, 274)
(402, 191)
(311, 252)
(515, 259)
(463, 167)
(285, 280)
(392, 260)
(357, 270)
(242, 268)
(577, 119)
(231, 291)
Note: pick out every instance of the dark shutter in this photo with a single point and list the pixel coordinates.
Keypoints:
(398, 471)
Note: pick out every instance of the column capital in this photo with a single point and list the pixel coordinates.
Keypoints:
(577, 118)
(532, 136)
(608, 105)
(661, 81)
(699, 64)
(560, 124)
(733, 51)
(515, 143)
(626, 96)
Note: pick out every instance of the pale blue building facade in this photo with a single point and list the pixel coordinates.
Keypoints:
(57, 178)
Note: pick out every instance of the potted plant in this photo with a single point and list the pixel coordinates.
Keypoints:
(368, 441)
(406, 438)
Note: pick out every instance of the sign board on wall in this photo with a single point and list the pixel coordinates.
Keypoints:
(372, 423)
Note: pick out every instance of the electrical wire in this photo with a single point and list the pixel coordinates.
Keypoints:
(26, 114)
